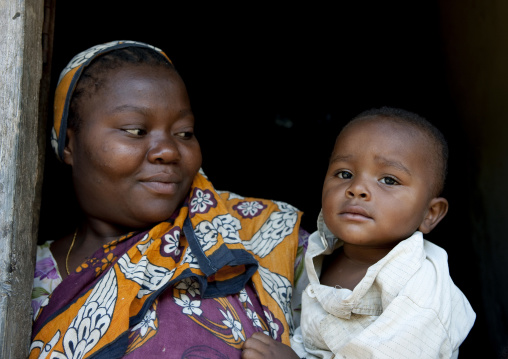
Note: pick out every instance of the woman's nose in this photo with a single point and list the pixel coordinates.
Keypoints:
(358, 189)
(164, 149)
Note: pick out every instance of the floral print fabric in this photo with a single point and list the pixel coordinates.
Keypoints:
(46, 277)
(218, 271)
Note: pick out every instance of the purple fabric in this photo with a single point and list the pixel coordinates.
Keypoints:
(45, 268)
(196, 340)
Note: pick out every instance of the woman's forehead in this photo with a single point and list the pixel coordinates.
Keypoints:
(135, 86)
(128, 71)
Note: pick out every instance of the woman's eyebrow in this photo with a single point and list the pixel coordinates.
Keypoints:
(130, 108)
(144, 109)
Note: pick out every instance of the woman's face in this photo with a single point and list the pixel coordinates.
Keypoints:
(135, 154)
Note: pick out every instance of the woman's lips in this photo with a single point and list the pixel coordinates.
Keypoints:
(161, 183)
(167, 188)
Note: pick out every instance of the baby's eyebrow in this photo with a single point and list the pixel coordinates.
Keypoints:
(340, 158)
(391, 163)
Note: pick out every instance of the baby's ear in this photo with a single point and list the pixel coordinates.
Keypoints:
(438, 207)
(69, 147)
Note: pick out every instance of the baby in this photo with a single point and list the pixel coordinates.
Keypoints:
(377, 288)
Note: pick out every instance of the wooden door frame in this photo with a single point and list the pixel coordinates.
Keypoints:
(25, 59)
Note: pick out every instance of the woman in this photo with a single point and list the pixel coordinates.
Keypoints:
(159, 257)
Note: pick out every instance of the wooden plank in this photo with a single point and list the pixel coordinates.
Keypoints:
(20, 175)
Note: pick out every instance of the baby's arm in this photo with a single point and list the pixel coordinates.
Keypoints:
(260, 346)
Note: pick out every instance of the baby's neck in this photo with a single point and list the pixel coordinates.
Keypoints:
(347, 265)
(365, 256)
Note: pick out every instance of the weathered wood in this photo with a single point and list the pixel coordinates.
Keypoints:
(20, 174)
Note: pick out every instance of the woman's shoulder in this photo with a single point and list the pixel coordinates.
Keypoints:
(248, 207)
(263, 218)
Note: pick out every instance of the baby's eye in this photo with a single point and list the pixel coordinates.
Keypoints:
(185, 135)
(136, 131)
(389, 181)
(344, 174)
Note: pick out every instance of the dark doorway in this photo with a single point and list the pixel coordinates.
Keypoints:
(271, 87)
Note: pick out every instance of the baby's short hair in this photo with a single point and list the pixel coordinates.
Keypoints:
(438, 148)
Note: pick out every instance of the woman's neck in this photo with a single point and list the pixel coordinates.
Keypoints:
(90, 235)
(100, 231)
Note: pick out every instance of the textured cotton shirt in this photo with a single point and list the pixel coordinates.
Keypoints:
(406, 306)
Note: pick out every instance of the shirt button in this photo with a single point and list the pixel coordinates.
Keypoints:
(310, 292)
(298, 338)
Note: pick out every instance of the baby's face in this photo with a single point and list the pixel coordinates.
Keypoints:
(378, 184)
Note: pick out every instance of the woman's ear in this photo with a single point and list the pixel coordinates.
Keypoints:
(69, 147)
(438, 207)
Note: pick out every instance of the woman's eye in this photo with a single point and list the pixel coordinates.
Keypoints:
(136, 131)
(344, 175)
(185, 135)
(389, 181)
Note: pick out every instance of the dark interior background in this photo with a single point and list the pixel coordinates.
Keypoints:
(272, 85)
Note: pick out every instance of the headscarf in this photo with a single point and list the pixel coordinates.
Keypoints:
(68, 80)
